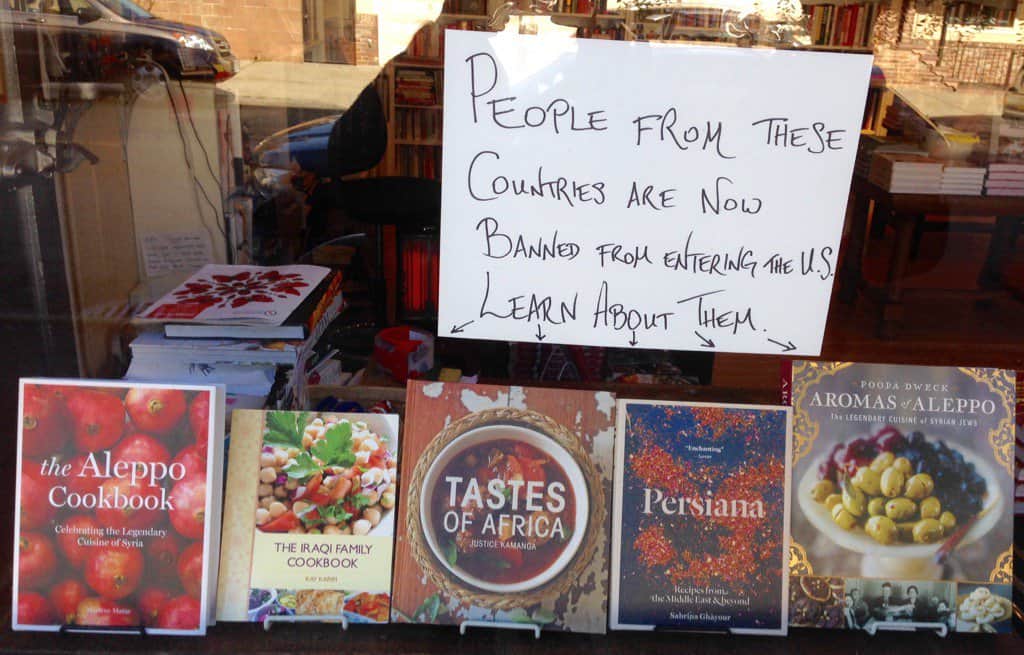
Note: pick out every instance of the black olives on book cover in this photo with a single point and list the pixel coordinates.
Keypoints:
(904, 481)
(701, 515)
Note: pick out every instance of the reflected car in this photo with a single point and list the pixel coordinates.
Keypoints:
(110, 40)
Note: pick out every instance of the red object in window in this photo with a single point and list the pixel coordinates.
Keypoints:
(404, 352)
(419, 276)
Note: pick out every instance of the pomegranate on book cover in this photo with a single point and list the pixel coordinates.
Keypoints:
(116, 505)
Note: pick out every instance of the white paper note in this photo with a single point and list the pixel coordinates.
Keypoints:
(644, 195)
(171, 252)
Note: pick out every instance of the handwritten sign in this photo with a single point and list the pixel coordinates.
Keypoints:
(170, 252)
(643, 195)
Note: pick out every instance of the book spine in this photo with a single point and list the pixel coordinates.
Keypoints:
(786, 382)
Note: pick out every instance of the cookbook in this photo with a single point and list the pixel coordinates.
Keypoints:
(309, 516)
(504, 514)
(117, 506)
(904, 483)
(248, 302)
(701, 516)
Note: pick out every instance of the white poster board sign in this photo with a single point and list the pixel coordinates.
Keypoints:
(642, 195)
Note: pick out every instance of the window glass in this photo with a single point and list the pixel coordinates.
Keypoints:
(184, 131)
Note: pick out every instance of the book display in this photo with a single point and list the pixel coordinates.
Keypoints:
(309, 516)
(505, 507)
(701, 520)
(117, 506)
(457, 326)
(903, 477)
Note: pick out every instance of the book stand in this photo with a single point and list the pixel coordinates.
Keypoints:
(311, 618)
(940, 629)
(71, 629)
(669, 628)
(500, 625)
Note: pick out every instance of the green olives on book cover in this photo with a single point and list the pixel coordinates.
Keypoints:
(117, 506)
(904, 483)
(504, 512)
(701, 513)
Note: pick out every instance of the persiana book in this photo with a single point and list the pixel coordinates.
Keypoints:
(701, 515)
(117, 505)
(226, 296)
(309, 516)
(504, 513)
(904, 483)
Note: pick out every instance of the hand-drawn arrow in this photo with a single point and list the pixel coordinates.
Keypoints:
(633, 341)
(540, 335)
(708, 343)
(457, 329)
(786, 347)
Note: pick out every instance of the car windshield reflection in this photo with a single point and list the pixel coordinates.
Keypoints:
(126, 9)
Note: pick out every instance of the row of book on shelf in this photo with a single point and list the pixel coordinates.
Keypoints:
(417, 86)
(428, 42)
(871, 497)
(479, 7)
(418, 125)
(846, 25)
(420, 161)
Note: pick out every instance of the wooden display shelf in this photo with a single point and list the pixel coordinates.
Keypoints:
(448, 17)
(858, 49)
(410, 106)
(417, 142)
(396, 639)
(409, 62)
(586, 16)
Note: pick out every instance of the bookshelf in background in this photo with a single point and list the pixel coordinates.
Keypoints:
(841, 25)
(465, 8)
(585, 7)
(416, 95)
(415, 80)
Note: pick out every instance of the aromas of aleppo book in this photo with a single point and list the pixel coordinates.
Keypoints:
(117, 506)
(504, 509)
(701, 515)
(904, 483)
(309, 516)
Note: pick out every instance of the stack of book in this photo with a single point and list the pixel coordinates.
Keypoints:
(906, 173)
(1005, 178)
(865, 153)
(236, 325)
(961, 179)
(414, 86)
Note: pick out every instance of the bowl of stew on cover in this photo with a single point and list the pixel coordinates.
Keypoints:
(504, 508)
